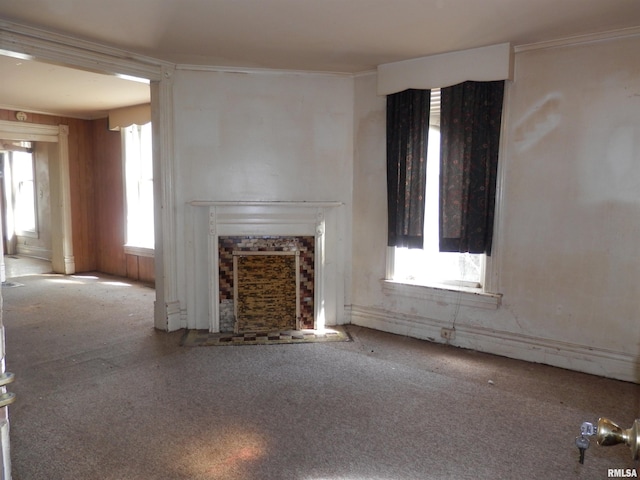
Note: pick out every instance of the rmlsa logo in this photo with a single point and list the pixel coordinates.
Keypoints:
(622, 473)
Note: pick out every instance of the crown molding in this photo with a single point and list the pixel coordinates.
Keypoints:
(264, 71)
(579, 39)
(31, 43)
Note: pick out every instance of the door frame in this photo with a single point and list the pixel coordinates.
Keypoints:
(62, 259)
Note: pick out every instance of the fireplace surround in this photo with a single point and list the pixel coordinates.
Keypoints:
(317, 222)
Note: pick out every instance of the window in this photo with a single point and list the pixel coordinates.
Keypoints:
(429, 266)
(24, 191)
(138, 167)
(452, 210)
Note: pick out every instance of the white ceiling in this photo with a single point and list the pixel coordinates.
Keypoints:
(346, 36)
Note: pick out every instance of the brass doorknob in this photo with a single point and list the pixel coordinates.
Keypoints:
(6, 377)
(609, 433)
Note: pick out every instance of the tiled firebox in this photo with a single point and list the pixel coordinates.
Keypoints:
(228, 244)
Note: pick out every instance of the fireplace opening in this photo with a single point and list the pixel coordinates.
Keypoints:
(266, 291)
(265, 258)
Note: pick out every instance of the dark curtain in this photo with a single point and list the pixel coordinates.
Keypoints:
(471, 114)
(407, 135)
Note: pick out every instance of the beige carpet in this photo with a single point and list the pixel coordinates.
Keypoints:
(102, 395)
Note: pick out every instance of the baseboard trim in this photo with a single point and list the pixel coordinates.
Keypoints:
(34, 251)
(581, 358)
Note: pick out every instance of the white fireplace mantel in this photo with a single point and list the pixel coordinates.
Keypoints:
(281, 218)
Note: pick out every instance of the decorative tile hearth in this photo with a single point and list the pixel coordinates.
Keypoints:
(203, 338)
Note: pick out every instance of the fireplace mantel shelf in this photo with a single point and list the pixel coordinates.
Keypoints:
(258, 203)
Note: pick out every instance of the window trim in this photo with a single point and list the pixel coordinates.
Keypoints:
(490, 282)
(139, 251)
(454, 294)
(466, 298)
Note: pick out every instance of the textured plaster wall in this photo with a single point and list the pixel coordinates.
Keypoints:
(566, 256)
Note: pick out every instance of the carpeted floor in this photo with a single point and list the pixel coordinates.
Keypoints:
(102, 395)
(204, 338)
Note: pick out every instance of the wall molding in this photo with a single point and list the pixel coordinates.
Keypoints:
(572, 356)
(32, 43)
(262, 71)
(579, 39)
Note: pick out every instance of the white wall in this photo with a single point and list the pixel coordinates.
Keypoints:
(259, 136)
(565, 257)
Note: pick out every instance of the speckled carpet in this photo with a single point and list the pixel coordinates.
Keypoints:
(101, 394)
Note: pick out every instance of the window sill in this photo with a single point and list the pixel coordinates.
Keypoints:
(139, 251)
(27, 233)
(468, 297)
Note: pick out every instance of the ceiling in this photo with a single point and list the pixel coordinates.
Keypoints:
(347, 36)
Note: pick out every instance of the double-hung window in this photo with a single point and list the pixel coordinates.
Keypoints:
(453, 179)
(138, 168)
(428, 265)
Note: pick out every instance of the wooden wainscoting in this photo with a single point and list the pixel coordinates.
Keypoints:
(140, 268)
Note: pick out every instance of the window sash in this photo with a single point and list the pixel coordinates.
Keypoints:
(138, 186)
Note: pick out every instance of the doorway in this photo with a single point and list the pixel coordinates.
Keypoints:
(26, 199)
(51, 148)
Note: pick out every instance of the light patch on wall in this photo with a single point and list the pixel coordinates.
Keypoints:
(617, 178)
(538, 122)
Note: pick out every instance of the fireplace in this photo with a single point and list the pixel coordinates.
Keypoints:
(308, 228)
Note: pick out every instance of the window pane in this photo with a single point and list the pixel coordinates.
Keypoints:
(25, 203)
(139, 185)
(429, 265)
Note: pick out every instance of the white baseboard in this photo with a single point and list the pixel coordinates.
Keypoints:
(33, 251)
(581, 358)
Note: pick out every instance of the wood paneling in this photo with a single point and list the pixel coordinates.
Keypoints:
(140, 268)
(109, 198)
(147, 269)
(81, 173)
